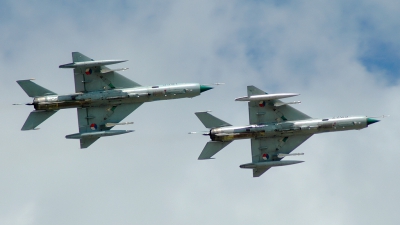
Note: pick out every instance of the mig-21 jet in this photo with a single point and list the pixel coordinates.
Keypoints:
(275, 130)
(102, 97)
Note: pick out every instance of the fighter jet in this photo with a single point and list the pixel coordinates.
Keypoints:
(275, 130)
(102, 97)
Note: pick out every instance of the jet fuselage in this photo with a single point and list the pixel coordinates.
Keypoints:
(290, 128)
(119, 96)
(275, 130)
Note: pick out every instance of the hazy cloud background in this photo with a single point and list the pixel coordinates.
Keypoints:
(342, 56)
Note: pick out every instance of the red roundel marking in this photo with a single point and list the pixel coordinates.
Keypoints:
(265, 156)
(93, 126)
(88, 71)
(261, 103)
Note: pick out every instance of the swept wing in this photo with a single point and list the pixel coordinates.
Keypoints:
(268, 149)
(95, 76)
(95, 119)
(262, 112)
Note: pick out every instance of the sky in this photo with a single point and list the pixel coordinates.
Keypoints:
(342, 56)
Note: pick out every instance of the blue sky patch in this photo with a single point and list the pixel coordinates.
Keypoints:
(382, 56)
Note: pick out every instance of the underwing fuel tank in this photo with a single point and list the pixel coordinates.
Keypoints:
(269, 164)
(266, 97)
(91, 63)
(97, 134)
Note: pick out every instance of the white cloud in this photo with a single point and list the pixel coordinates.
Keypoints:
(23, 215)
(153, 175)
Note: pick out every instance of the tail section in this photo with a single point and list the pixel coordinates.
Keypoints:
(34, 90)
(211, 121)
(212, 148)
(35, 118)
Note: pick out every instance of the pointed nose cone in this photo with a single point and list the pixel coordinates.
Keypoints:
(204, 88)
(371, 121)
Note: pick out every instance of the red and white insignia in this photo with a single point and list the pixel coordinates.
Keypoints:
(93, 126)
(88, 71)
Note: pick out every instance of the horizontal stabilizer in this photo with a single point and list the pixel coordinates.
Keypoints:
(35, 118)
(34, 90)
(211, 121)
(212, 148)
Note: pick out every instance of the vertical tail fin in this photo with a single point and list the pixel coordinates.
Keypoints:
(211, 121)
(35, 118)
(212, 148)
(34, 90)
